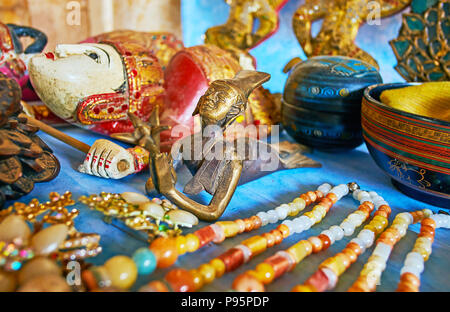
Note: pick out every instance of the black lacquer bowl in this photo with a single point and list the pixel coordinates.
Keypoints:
(413, 150)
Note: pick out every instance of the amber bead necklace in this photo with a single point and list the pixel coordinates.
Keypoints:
(194, 280)
(277, 265)
(415, 260)
(164, 251)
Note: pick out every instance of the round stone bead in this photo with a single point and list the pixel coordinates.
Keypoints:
(49, 239)
(406, 216)
(247, 283)
(359, 242)
(165, 250)
(299, 225)
(307, 222)
(383, 250)
(400, 229)
(363, 194)
(324, 188)
(145, 261)
(337, 231)
(417, 264)
(14, 227)
(180, 280)
(290, 225)
(282, 211)
(348, 228)
(122, 271)
(208, 273)
(264, 217)
(355, 194)
(316, 244)
(273, 216)
(330, 236)
(367, 237)
(38, 266)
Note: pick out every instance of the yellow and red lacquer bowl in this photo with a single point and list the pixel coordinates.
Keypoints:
(413, 150)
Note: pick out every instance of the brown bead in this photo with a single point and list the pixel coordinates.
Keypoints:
(410, 278)
(180, 280)
(359, 286)
(278, 236)
(316, 243)
(325, 241)
(284, 230)
(205, 235)
(332, 197)
(429, 222)
(279, 264)
(427, 229)
(247, 283)
(355, 247)
(326, 202)
(407, 287)
(319, 195)
(248, 225)
(417, 215)
(365, 209)
(427, 235)
(312, 196)
(270, 239)
(385, 208)
(381, 213)
(388, 238)
(352, 256)
(256, 222)
(306, 199)
(372, 207)
(396, 234)
(233, 258)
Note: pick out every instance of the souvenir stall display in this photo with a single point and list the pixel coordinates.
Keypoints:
(183, 170)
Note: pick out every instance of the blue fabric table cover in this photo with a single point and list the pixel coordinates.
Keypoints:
(270, 191)
(260, 195)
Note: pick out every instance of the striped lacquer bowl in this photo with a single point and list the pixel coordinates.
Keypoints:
(413, 150)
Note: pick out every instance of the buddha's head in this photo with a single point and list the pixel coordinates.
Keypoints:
(226, 99)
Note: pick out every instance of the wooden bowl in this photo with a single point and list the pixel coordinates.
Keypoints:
(413, 150)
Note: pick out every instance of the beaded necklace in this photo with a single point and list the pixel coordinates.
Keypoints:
(183, 280)
(415, 260)
(164, 251)
(373, 269)
(277, 265)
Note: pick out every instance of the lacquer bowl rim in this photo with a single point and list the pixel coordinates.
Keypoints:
(387, 86)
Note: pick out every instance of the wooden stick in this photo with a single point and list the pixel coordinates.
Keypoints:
(58, 134)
